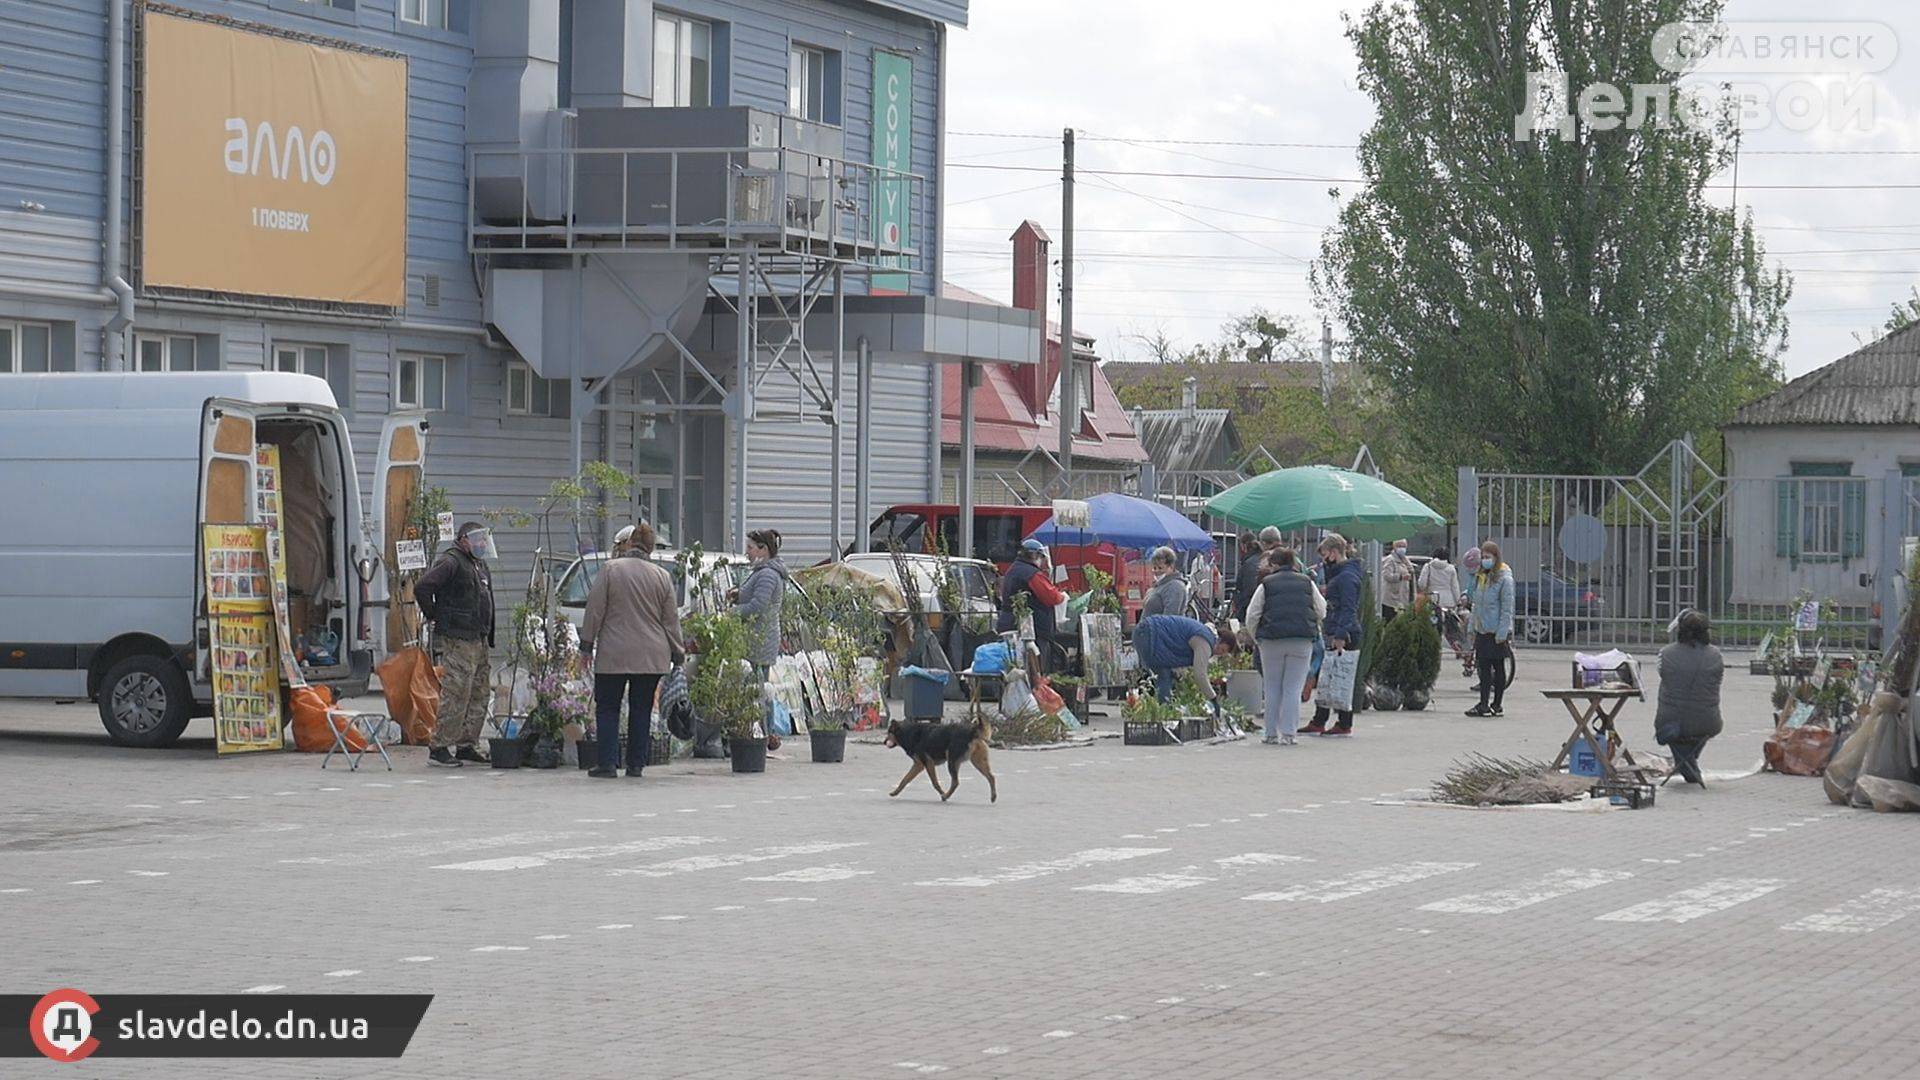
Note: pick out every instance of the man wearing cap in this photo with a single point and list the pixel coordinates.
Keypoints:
(1028, 575)
(456, 596)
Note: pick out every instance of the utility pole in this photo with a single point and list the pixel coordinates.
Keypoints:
(1326, 364)
(1069, 406)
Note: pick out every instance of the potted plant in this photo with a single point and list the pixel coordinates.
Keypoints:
(1406, 659)
(1244, 686)
(724, 689)
(558, 701)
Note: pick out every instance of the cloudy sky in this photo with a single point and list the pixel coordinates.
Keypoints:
(1266, 88)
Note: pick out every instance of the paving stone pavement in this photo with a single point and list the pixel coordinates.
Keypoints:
(1220, 911)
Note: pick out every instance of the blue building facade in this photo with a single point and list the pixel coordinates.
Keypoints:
(504, 77)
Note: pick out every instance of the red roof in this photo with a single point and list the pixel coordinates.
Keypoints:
(1010, 406)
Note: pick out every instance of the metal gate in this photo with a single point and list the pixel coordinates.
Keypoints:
(1603, 561)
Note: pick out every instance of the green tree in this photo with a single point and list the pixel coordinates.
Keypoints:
(1550, 304)
(1905, 312)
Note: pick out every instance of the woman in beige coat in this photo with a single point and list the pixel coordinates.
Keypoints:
(632, 637)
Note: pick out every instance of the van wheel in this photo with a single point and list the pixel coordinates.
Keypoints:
(145, 701)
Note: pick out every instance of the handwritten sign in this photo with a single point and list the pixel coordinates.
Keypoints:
(411, 554)
(445, 520)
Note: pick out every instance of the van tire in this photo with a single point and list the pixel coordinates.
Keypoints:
(145, 701)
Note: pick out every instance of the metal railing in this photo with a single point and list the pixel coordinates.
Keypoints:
(693, 198)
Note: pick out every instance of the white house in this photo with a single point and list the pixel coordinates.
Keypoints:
(1823, 477)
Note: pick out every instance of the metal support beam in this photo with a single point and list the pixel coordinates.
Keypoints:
(863, 441)
(835, 533)
(969, 378)
(742, 402)
(1468, 508)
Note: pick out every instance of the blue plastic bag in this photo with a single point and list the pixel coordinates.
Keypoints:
(781, 722)
(990, 658)
(940, 677)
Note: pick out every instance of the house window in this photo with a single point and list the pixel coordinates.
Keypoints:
(530, 395)
(1083, 386)
(165, 352)
(812, 84)
(420, 382)
(26, 347)
(682, 61)
(1820, 514)
(428, 13)
(301, 359)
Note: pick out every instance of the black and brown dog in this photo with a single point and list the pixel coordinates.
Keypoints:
(930, 744)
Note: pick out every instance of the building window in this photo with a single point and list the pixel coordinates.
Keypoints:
(26, 347)
(1083, 386)
(420, 382)
(1820, 514)
(812, 84)
(428, 13)
(682, 61)
(301, 359)
(165, 352)
(530, 395)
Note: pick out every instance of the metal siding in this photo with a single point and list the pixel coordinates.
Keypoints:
(789, 479)
(947, 11)
(758, 68)
(52, 141)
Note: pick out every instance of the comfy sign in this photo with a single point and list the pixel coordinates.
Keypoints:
(271, 167)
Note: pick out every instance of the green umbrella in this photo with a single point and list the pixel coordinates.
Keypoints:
(1358, 506)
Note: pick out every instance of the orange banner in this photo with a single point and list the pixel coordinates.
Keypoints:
(272, 167)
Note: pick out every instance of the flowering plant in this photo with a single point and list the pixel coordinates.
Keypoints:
(559, 701)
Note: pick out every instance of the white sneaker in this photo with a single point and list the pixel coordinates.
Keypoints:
(1270, 741)
(1288, 740)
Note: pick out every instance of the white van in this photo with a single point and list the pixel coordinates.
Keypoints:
(105, 480)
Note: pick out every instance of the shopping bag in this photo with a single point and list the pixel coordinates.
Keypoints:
(1337, 674)
(1047, 697)
(424, 693)
(781, 723)
(396, 682)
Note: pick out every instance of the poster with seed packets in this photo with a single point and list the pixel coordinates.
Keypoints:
(246, 688)
(267, 509)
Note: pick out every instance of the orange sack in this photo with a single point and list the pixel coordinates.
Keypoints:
(311, 732)
(412, 687)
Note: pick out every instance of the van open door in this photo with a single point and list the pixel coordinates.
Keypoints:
(227, 434)
(399, 474)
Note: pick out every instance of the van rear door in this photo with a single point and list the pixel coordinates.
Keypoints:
(399, 474)
(227, 438)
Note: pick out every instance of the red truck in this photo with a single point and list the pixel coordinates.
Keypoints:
(997, 533)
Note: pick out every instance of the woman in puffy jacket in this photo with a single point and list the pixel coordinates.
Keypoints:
(759, 600)
(1691, 670)
(1344, 580)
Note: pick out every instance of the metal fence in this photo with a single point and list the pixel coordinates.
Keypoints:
(1602, 561)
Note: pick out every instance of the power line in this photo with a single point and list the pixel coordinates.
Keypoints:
(1263, 145)
(1250, 178)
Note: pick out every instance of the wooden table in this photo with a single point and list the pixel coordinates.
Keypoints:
(1593, 710)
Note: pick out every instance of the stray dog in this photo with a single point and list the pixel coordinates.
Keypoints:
(930, 744)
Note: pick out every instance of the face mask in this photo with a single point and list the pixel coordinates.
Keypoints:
(1400, 552)
(480, 544)
(1486, 563)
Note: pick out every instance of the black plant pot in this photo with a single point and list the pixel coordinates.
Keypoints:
(505, 753)
(829, 746)
(544, 755)
(749, 754)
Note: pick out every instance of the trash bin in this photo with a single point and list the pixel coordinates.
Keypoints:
(926, 693)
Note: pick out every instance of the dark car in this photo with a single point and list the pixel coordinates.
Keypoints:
(1553, 608)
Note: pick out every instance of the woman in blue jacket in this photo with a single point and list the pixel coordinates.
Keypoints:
(1492, 627)
(1343, 583)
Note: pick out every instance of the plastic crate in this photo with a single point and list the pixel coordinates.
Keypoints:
(1628, 791)
(1146, 733)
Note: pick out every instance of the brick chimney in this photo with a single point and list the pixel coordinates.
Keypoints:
(1030, 273)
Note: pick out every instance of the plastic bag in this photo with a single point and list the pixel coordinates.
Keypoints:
(1844, 767)
(396, 682)
(1048, 698)
(1337, 678)
(990, 658)
(1801, 751)
(782, 722)
(1016, 698)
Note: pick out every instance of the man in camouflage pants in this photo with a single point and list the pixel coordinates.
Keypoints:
(456, 595)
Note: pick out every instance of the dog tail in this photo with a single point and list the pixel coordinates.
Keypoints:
(983, 726)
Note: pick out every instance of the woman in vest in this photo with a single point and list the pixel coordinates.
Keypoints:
(1285, 615)
(1028, 575)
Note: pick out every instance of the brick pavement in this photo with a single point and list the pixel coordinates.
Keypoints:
(1238, 910)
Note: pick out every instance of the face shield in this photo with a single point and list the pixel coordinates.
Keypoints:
(480, 543)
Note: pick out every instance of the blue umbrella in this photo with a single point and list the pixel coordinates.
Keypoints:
(1127, 522)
